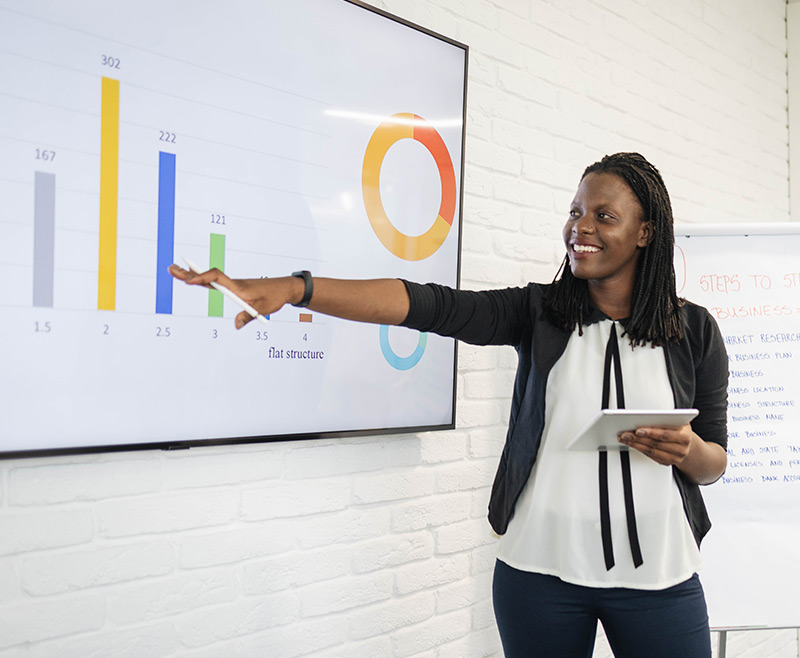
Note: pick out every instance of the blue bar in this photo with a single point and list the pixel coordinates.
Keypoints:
(166, 231)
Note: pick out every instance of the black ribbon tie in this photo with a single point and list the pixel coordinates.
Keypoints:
(612, 357)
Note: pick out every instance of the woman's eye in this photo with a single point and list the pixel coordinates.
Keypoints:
(574, 214)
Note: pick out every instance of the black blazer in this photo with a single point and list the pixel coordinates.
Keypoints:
(697, 368)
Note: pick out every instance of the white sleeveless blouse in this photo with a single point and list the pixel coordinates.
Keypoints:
(555, 529)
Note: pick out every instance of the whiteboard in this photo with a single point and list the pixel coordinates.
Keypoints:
(259, 137)
(748, 276)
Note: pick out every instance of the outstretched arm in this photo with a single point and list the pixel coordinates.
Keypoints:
(380, 301)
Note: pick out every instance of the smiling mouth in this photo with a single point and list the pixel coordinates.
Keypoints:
(585, 249)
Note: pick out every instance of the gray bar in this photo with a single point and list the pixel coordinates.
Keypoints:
(44, 238)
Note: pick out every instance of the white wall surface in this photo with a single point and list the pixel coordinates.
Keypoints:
(378, 547)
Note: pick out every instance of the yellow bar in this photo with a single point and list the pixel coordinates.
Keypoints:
(109, 174)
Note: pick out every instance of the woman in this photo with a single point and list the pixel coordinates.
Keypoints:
(585, 537)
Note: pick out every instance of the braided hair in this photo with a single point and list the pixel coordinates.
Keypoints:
(655, 303)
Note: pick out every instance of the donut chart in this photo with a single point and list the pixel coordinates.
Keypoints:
(397, 127)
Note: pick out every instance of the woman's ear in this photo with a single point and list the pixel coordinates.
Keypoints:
(646, 234)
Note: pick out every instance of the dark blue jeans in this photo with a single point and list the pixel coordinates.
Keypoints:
(543, 617)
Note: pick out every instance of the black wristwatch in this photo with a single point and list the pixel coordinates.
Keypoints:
(309, 290)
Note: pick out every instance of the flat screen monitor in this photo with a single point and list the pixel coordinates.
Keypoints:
(261, 138)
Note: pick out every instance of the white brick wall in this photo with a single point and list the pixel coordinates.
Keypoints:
(377, 547)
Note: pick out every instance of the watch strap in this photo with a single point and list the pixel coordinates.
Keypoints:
(309, 287)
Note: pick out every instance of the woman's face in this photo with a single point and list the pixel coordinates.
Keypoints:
(604, 233)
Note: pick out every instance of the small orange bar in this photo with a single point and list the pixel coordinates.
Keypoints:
(305, 317)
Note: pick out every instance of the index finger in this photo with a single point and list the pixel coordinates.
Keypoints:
(660, 430)
(195, 278)
(180, 273)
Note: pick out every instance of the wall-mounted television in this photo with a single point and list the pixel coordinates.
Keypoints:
(260, 138)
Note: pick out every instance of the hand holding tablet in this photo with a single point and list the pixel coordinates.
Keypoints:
(603, 431)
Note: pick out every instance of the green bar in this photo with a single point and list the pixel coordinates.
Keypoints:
(216, 258)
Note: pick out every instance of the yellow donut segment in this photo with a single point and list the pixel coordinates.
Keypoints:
(403, 246)
(411, 247)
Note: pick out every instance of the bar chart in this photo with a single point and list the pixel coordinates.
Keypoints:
(119, 196)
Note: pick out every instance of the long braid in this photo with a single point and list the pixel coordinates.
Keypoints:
(655, 303)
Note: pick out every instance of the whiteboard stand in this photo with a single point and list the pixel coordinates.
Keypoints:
(722, 647)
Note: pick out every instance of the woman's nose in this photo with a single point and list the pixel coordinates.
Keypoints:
(582, 225)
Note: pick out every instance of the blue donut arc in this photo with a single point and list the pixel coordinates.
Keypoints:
(401, 362)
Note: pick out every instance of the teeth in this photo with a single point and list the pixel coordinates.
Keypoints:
(585, 249)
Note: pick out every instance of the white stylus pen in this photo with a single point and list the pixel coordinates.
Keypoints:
(229, 294)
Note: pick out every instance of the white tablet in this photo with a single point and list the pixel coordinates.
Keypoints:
(604, 429)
